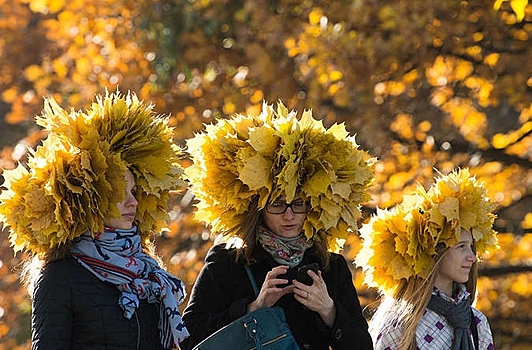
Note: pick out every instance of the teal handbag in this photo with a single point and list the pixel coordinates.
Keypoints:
(262, 329)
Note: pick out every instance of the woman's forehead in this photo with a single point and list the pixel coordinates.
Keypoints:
(466, 235)
(283, 198)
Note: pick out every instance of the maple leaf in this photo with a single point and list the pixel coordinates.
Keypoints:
(281, 155)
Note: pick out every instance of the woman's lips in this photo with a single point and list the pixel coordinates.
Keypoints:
(129, 216)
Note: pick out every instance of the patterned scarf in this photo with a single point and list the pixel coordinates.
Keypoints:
(285, 251)
(116, 256)
(458, 316)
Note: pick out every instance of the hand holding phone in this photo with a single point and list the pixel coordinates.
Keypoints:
(303, 276)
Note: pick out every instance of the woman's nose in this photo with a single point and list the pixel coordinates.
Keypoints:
(288, 213)
(132, 200)
(472, 256)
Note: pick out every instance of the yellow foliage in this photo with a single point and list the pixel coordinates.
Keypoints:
(471, 122)
(411, 76)
(462, 69)
(335, 75)
(397, 180)
(33, 73)
(60, 68)
(396, 88)
(527, 222)
(229, 107)
(424, 126)
(293, 49)
(323, 78)
(481, 88)
(474, 51)
(260, 156)
(518, 6)
(315, 16)
(501, 141)
(491, 59)
(403, 126)
(523, 285)
(400, 243)
(256, 97)
(55, 5)
(441, 95)
(75, 177)
(9, 95)
(445, 70)
(333, 89)
(436, 74)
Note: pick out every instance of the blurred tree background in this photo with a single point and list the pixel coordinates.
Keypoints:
(426, 86)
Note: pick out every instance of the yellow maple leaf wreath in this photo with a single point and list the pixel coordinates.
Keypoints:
(400, 243)
(275, 154)
(77, 175)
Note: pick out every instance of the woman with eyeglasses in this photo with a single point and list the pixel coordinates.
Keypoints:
(287, 215)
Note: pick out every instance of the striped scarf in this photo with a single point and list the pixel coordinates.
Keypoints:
(116, 256)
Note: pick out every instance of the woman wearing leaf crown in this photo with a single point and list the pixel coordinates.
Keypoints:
(422, 256)
(84, 209)
(289, 191)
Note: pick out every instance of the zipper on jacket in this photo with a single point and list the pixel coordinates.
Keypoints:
(138, 329)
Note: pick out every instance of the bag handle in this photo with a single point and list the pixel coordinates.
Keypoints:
(252, 280)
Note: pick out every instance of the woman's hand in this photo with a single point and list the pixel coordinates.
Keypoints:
(269, 292)
(316, 298)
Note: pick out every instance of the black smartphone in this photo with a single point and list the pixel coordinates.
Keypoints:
(302, 275)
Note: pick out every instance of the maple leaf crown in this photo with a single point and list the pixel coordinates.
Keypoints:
(273, 154)
(400, 243)
(76, 177)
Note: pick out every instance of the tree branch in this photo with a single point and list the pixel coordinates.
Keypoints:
(504, 270)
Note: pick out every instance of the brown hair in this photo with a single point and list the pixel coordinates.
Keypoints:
(248, 229)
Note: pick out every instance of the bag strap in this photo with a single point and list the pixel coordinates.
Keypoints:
(252, 279)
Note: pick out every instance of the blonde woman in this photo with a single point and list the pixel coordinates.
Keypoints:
(422, 256)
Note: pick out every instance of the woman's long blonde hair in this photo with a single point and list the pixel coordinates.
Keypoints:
(407, 305)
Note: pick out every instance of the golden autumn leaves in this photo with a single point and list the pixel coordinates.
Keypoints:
(77, 175)
(274, 154)
(400, 243)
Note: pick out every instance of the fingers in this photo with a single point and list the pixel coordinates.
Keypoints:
(313, 296)
(270, 291)
(272, 279)
(301, 293)
(317, 280)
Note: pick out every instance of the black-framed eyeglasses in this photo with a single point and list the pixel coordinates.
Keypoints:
(298, 207)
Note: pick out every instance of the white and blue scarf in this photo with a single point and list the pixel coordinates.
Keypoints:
(116, 256)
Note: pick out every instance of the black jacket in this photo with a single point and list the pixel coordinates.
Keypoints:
(223, 291)
(73, 309)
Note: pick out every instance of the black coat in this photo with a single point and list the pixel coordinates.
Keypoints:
(73, 309)
(223, 291)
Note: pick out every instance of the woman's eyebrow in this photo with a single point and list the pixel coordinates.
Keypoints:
(466, 241)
